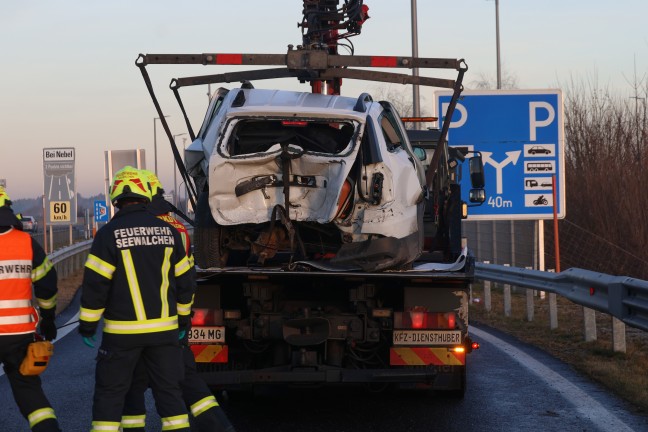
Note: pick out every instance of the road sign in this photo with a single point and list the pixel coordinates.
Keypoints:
(520, 136)
(58, 168)
(100, 211)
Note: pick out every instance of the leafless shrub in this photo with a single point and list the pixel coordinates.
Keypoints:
(606, 179)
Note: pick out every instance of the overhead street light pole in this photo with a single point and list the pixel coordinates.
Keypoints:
(416, 96)
(175, 170)
(155, 143)
(497, 42)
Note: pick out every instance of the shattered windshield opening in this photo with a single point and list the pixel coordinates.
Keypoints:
(257, 136)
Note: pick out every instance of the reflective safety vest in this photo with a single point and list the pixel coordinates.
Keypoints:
(175, 223)
(17, 315)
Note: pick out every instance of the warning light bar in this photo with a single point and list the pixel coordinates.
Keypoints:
(419, 119)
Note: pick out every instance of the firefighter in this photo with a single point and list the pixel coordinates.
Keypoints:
(207, 413)
(23, 262)
(137, 276)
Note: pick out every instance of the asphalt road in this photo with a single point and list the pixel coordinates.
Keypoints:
(511, 387)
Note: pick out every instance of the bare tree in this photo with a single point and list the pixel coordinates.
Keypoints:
(606, 179)
(485, 82)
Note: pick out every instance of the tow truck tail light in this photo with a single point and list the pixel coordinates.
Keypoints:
(418, 318)
(459, 349)
(199, 317)
(207, 317)
(474, 345)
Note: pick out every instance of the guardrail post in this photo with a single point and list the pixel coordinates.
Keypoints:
(589, 322)
(553, 308)
(529, 302)
(618, 335)
(507, 297)
(487, 293)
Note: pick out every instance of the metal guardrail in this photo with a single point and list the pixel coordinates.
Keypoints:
(623, 297)
(71, 258)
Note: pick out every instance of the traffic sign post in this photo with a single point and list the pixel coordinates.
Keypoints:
(61, 203)
(521, 139)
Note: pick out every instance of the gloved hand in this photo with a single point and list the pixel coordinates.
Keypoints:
(183, 325)
(48, 328)
(88, 340)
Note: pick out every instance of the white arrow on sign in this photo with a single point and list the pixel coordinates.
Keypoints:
(511, 157)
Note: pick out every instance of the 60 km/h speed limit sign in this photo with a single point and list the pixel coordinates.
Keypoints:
(58, 169)
(60, 211)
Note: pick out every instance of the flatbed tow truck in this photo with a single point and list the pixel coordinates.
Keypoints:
(327, 237)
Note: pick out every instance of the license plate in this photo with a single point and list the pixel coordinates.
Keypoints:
(207, 334)
(426, 337)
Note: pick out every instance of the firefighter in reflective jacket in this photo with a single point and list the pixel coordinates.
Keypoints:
(23, 262)
(207, 413)
(138, 277)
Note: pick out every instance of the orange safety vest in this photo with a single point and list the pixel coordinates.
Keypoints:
(17, 315)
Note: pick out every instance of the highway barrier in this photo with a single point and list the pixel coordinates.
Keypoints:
(625, 298)
(70, 259)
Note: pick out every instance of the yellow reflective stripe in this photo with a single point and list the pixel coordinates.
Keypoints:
(203, 405)
(164, 289)
(175, 422)
(184, 309)
(100, 266)
(133, 285)
(99, 426)
(47, 303)
(182, 267)
(185, 239)
(39, 272)
(90, 315)
(138, 327)
(39, 415)
(133, 421)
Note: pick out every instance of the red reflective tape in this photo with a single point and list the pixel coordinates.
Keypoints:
(229, 59)
(382, 61)
(404, 356)
(210, 353)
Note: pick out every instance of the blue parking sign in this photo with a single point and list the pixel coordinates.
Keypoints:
(100, 211)
(521, 138)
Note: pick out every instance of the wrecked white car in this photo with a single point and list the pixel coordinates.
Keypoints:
(289, 176)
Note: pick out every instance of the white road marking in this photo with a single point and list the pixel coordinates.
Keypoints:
(63, 332)
(586, 406)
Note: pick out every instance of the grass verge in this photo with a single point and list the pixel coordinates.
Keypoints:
(625, 374)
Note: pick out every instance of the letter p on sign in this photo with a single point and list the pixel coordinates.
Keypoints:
(534, 123)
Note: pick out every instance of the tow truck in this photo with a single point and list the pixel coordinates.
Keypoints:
(327, 237)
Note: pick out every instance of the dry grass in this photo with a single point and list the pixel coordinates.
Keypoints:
(625, 374)
(67, 288)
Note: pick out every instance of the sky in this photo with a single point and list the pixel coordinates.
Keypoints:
(70, 80)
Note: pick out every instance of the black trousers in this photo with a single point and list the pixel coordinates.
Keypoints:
(27, 390)
(195, 392)
(115, 366)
